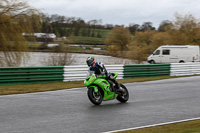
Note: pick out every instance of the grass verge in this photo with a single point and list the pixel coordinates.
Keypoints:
(38, 87)
(41, 87)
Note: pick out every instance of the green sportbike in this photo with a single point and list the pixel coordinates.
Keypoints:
(100, 89)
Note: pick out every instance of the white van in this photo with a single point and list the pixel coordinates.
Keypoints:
(175, 54)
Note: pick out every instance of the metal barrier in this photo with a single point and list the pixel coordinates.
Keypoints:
(24, 75)
(149, 70)
(73, 73)
(179, 69)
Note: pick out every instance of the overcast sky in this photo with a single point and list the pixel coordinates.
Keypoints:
(122, 12)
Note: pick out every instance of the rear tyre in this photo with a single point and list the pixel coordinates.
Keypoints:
(125, 96)
(95, 98)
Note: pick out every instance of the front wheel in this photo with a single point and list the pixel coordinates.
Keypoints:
(152, 62)
(125, 96)
(95, 97)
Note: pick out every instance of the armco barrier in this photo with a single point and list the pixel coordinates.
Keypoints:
(72, 73)
(23, 75)
(179, 69)
(147, 70)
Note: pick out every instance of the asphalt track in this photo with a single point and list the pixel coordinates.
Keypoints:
(70, 111)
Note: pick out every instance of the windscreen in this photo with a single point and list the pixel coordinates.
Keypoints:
(90, 73)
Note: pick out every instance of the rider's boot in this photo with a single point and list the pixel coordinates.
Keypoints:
(117, 87)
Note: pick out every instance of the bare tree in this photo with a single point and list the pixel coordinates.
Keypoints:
(59, 59)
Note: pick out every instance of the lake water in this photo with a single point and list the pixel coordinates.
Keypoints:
(38, 58)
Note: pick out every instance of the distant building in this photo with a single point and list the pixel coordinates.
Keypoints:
(44, 37)
(52, 45)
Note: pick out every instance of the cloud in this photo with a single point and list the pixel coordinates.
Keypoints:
(119, 11)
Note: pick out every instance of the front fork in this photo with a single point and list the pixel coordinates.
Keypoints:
(95, 88)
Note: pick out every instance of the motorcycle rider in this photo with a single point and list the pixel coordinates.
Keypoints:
(99, 70)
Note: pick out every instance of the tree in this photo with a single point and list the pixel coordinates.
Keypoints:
(138, 52)
(164, 24)
(78, 25)
(46, 26)
(93, 26)
(16, 17)
(99, 28)
(60, 57)
(184, 30)
(147, 26)
(56, 23)
(133, 28)
(141, 45)
(189, 27)
(120, 37)
(159, 39)
(176, 37)
(144, 37)
(109, 26)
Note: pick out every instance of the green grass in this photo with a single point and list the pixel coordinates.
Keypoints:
(102, 32)
(81, 38)
(183, 127)
(34, 45)
(52, 86)
(38, 87)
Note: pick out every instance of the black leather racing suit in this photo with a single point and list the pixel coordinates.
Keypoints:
(99, 70)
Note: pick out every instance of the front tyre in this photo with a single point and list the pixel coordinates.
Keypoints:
(125, 96)
(95, 98)
(152, 62)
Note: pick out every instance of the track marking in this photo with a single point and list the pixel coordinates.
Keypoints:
(160, 124)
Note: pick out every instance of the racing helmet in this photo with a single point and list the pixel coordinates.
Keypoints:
(90, 61)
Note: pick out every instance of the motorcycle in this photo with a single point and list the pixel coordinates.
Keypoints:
(100, 89)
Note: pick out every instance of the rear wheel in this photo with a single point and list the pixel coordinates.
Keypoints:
(125, 96)
(95, 97)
